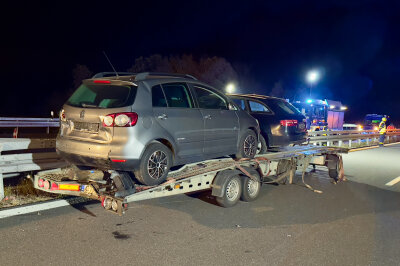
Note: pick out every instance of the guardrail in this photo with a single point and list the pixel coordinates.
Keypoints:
(25, 155)
(351, 138)
(22, 122)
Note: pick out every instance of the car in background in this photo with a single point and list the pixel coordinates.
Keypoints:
(145, 123)
(281, 124)
(347, 126)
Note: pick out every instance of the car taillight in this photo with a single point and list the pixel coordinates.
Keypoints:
(288, 123)
(120, 120)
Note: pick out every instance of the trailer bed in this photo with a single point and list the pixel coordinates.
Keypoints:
(103, 185)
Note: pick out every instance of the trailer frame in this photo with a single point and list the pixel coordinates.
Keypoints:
(225, 177)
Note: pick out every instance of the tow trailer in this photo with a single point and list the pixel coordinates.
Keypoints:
(229, 180)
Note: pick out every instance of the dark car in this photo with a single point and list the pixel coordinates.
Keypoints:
(281, 123)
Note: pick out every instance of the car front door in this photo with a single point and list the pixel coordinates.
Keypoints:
(221, 125)
(173, 109)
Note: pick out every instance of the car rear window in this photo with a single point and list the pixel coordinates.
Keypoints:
(281, 106)
(103, 96)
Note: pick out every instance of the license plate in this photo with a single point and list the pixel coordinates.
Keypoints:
(88, 127)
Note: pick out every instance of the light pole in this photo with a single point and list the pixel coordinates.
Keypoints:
(312, 77)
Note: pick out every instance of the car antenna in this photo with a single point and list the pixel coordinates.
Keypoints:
(116, 73)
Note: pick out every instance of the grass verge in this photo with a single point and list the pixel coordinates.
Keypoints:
(20, 191)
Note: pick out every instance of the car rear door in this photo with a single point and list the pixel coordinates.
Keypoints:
(221, 125)
(266, 118)
(174, 110)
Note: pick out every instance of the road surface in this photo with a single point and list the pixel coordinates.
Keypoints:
(350, 223)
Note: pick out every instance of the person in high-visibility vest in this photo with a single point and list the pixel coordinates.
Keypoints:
(382, 131)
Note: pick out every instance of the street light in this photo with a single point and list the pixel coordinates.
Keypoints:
(230, 88)
(312, 77)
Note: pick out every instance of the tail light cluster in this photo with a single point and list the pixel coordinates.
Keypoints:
(120, 120)
(289, 123)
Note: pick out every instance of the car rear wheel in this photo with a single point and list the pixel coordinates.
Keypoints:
(154, 165)
(262, 146)
(248, 145)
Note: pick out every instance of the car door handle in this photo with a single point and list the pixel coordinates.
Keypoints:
(163, 116)
(207, 117)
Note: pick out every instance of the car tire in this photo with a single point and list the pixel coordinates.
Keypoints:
(250, 188)
(232, 192)
(262, 145)
(154, 165)
(247, 145)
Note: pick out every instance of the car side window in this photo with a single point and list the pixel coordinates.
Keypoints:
(158, 97)
(177, 95)
(240, 103)
(258, 107)
(210, 100)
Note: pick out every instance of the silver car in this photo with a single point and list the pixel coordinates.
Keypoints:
(148, 122)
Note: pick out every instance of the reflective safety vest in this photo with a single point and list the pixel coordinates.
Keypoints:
(382, 128)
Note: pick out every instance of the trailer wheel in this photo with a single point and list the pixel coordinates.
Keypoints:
(333, 173)
(154, 165)
(231, 193)
(251, 189)
(333, 166)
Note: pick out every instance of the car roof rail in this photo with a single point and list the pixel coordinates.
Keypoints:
(112, 74)
(145, 75)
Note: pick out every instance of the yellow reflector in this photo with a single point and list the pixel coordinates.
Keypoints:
(73, 187)
(177, 186)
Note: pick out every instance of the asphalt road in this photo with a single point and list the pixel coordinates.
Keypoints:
(375, 167)
(350, 223)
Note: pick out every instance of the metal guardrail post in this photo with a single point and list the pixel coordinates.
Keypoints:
(1, 187)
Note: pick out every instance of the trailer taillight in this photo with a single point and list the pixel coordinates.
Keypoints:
(120, 120)
(289, 123)
(71, 187)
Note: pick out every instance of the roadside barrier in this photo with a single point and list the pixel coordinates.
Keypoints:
(26, 155)
(351, 138)
(23, 155)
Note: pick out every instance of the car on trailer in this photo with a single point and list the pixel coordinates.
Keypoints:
(281, 124)
(146, 123)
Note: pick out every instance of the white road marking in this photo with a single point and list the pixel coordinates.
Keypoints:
(394, 181)
(33, 208)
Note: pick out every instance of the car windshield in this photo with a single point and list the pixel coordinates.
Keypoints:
(281, 106)
(103, 96)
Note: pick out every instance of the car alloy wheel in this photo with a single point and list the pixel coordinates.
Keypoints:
(250, 146)
(157, 164)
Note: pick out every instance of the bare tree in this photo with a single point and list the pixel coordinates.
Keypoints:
(79, 73)
(216, 71)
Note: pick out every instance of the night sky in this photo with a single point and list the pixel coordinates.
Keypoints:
(356, 45)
